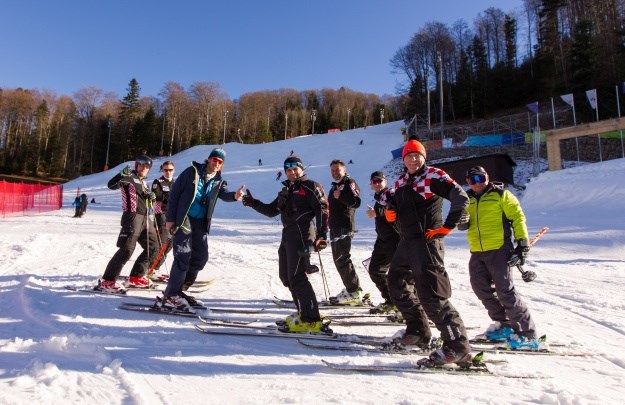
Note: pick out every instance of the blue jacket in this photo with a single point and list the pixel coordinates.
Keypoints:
(183, 194)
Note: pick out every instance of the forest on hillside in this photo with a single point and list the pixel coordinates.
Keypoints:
(462, 71)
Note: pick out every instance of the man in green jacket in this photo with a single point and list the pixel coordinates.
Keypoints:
(494, 215)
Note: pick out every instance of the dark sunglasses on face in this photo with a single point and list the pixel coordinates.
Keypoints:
(476, 178)
(217, 160)
(376, 181)
(290, 165)
(168, 170)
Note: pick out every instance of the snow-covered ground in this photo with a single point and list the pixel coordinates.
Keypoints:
(58, 346)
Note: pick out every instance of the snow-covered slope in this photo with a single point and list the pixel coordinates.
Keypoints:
(57, 345)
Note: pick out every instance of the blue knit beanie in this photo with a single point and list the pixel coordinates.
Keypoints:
(218, 153)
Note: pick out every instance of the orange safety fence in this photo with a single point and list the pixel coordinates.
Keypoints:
(20, 198)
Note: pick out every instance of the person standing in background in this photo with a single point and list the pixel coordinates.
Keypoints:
(343, 200)
(161, 187)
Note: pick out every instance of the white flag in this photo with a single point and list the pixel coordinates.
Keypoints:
(592, 98)
(568, 98)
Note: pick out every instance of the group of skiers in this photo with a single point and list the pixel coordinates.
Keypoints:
(407, 262)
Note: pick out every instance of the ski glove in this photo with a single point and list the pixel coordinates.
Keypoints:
(521, 250)
(391, 215)
(150, 196)
(126, 171)
(320, 241)
(437, 233)
(248, 199)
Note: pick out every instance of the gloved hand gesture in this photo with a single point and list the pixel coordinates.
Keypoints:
(437, 233)
(521, 251)
(150, 195)
(126, 171)
(248, 199)
(320, 242)
(391, 215)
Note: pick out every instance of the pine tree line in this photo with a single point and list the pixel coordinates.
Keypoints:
(506, 60)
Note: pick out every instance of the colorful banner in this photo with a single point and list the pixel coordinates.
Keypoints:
(568, 98)
(533, 107)
(592, 98)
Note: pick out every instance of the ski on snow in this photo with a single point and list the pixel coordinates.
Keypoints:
(199, 307)
(273, 331)
(130, 306)
(479, 369)
(365, 304)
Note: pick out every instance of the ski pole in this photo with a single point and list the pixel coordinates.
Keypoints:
(527, 275)
(159, 256)
(326, 289)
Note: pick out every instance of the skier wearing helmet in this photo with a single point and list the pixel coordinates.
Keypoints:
(135, 228)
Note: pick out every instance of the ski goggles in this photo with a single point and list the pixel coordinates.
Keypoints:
(476, 178)
(290, 165)
(377, 180)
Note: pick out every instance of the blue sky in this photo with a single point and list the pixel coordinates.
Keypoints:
(245, 45)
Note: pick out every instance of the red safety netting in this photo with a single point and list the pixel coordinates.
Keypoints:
(20, 198)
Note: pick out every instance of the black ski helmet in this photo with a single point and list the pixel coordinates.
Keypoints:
(143, 160)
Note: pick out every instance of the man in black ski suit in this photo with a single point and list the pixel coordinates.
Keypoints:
(136, 227)
(343, 199)
(189, 213)
(161, 187)
(418, 208)
(385, 243)
(300, 202)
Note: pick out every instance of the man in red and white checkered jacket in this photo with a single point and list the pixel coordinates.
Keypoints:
(418, 209)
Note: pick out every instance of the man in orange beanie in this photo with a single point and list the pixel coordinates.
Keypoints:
(418, 208)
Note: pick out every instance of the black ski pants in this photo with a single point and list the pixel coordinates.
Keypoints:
(425, 260)
(190, 255)
(383, 251)
(341, 254)
(293, 260)
(135, 229)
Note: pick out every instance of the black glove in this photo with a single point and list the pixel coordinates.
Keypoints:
(248, 199)
(150, 195)
(521, 250)
(126, 171)
(320, 241)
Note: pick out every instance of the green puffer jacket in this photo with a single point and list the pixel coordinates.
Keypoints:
(492, 218)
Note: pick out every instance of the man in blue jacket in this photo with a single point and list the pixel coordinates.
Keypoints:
(190, 209)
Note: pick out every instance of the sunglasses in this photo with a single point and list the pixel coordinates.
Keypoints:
(377, 181)
(168, 170)
(476, 178)
(290, 165)
(217, 160)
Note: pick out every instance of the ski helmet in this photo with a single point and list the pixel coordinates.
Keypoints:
(143, 160)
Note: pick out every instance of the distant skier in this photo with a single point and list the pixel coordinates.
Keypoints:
(279, 176)
(80, 203)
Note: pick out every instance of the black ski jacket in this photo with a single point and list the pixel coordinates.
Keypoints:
(342, 209)
(298, 204)
(384, 229)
